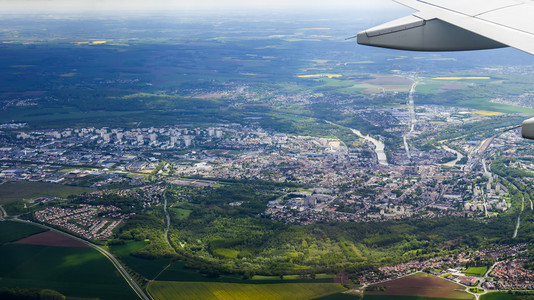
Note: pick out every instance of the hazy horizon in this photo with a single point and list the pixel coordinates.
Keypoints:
(65, 6)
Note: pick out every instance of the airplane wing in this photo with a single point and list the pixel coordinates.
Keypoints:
(452, 25)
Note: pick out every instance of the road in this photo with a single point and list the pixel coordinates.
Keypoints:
(167, 219)
(108, 255)
(4, 213)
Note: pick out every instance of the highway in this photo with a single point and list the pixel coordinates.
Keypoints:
(108, 255)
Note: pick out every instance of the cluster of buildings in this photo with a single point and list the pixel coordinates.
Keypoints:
(507, 273)
(88, 221)
(512, 275)
(359, 188)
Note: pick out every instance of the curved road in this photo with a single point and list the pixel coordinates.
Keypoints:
(108, 255)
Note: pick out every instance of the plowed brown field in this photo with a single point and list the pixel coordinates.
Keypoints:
(423, 285)
(51, 238)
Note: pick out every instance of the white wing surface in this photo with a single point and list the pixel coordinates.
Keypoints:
(452, 25)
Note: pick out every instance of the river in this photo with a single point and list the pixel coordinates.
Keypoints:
(379, 147)
(458, 155)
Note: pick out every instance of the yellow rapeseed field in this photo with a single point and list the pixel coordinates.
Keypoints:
(320, 75)
(67, 75)
(91, 43)
(221, 291)
(488, 113)
(460, 78)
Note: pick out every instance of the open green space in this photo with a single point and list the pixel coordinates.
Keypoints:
(12, 231)
(428, 88)
(180, 213)
(72, 271)
(149, 268)
(476, 271)
(484, 104)
(340, 296)
(476, 290)
(58, 114)
(507, 296)
(19, 190)
(215, 290)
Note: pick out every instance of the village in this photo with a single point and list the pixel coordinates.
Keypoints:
(506, 270)
(91, 222)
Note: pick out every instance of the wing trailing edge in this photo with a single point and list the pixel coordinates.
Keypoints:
(454, 25)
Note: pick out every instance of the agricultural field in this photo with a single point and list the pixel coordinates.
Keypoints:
(391, 83)
(215, 290)
(49, 261)
(148, 268)
(51, 238)
(388, 297)
(418, 285)
(476, 271)
(12, 231)
(506, 296)
(19, 190)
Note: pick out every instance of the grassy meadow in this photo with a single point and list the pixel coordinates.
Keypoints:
(12, 231)
(19, 190)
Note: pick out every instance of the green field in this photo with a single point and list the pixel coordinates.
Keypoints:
(149, 268)
(429, 88)
(476, 271)
(476, 290)
(19, 190)
(180, 213)
(58, 114)
(72, 271)
(340, 296)
(12, 231)
(484, 104)
(215, 290)
(505, 296)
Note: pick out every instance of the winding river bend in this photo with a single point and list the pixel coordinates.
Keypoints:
(379, 147)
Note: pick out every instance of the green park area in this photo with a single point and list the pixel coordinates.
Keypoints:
(476, 271)
(20, 190)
